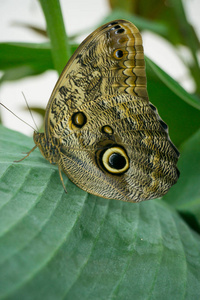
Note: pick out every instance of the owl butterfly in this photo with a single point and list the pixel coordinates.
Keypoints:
(100, 128)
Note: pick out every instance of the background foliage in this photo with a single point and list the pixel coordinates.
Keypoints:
(78, 246)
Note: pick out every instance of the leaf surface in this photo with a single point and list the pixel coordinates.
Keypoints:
(78, 246)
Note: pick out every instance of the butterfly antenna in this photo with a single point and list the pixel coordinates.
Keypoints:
(30, 112)
(17, 116)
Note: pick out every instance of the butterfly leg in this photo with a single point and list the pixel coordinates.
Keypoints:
(61, 178)
(27, 154)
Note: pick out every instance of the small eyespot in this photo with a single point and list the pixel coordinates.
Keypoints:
(107, 129)
(111, 24)
(118, 54)
(114, 160)
(116, 27)
(121, 30)
(163, 124)
(79, 119)
(152, 107)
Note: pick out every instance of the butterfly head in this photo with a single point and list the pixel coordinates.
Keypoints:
(48, 147)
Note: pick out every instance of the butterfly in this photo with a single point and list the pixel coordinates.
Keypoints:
(100, 128)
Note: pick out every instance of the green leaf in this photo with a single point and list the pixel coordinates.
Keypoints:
(174, 104)
(173, 85)
(19, 60)
(78, 246)
(186, 196)
(36, 56)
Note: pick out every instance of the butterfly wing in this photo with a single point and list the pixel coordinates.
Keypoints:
(111, 141)
(108, 62)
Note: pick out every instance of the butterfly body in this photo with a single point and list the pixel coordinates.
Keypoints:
(100, 127)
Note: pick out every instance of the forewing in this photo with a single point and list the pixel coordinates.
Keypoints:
(109, 61)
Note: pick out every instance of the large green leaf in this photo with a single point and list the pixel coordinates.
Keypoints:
(78, 246)
(186, 196)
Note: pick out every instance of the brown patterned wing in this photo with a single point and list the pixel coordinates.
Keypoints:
(100, 127)
(109, 61)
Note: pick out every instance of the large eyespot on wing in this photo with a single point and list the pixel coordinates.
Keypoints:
(112, 159)
(108, 62)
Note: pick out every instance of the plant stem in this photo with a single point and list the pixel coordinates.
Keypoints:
(60, 46)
